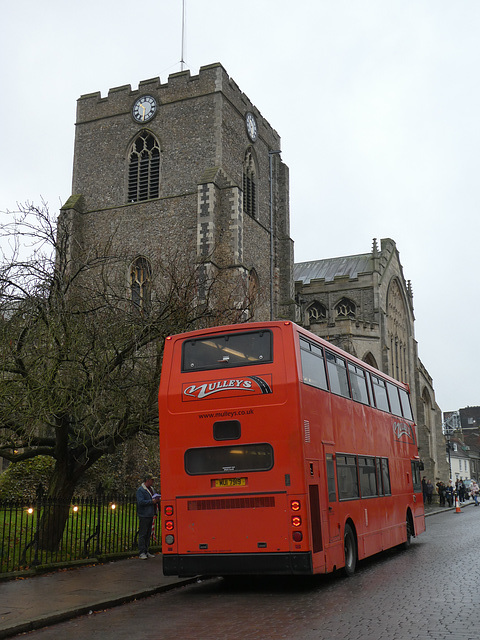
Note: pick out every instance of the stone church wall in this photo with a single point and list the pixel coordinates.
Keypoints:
(200, 127)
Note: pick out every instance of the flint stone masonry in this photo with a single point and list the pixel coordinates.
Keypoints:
(200, 127)
(199, 215)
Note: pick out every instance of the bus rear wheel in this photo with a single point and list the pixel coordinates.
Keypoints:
(350, 548)
(408, 541)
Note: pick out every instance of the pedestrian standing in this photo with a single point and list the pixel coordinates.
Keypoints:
(147, 505)
(424, 489)
(429, 492)
(441, 492)
(474, 490)
(449, 494)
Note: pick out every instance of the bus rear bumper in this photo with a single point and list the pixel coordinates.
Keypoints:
(223, 564)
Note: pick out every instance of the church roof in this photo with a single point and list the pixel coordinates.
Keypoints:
(330, 268)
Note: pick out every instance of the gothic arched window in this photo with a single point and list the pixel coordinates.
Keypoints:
(345, 309)
(369, 358)
(141, 283)
(316, 312)
(398, 332)
(144, 168)
(249, 185)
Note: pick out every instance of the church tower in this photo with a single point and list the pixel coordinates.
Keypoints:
(192, 165)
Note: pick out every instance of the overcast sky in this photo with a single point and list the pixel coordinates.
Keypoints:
(377, 103)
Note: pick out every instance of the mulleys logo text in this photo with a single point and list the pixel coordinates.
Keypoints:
(208, 388)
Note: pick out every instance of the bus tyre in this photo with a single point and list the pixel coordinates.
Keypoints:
(350, 547)
(408, 541)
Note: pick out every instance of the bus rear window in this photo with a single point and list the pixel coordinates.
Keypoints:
(228, 350)
(233, 459)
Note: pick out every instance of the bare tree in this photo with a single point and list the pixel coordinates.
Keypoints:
(79, 360)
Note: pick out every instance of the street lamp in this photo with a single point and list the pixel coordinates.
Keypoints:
(270, 160)
(449, 426)
(449, 448)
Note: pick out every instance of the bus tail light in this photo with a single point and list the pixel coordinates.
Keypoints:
(296, 521)
(168, 510)
(295, 505)
(169, 539)
(169, 525)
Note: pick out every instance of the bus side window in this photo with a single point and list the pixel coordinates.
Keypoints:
(380, 392)
(406, 407)
(358, 383)
(337, 374)
(332, 493)
(368, 482)
(347, 477)
(417, 482)
(313, 365)
(394, 399)
(378, 467)
(386, 477)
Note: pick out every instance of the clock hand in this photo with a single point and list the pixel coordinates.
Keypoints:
(144, 110)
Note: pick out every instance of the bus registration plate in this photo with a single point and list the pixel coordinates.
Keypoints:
(230, 482)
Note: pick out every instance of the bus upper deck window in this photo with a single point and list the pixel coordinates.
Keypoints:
(227, 350)
(394, 399)
(406, 408)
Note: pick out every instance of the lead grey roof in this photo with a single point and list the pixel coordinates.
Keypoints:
(330, 267)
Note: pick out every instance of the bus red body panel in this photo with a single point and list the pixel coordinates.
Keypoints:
(271, 442)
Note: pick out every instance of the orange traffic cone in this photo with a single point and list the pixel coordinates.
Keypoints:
(457, 505)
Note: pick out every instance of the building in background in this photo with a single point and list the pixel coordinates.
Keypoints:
(363, 304)
(188, 168)
(462, 433)
(191, 168)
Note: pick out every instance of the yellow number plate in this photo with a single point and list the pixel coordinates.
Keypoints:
(230, 482)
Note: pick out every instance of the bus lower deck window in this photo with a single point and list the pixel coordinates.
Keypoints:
(232, 459)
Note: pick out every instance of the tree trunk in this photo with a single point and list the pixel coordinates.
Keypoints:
(56, 508)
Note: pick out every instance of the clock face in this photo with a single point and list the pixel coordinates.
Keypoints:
(251, 124)
(144, 109)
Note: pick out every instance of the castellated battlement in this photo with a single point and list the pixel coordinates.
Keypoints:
(180, 86)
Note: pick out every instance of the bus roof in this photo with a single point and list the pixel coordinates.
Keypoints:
(250, 326)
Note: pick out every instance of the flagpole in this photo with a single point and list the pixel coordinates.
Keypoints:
(182, 61)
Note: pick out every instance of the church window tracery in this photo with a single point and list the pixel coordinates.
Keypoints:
(316, 312)
(144, 168)
(140, 283)
(345, 309)
(397, 332)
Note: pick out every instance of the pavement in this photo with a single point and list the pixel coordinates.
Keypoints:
(43, 600)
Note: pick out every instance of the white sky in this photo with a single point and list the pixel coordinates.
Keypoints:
(377, 103)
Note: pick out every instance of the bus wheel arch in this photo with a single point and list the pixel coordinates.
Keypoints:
(350, 548)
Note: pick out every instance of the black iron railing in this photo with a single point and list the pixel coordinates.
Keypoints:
(47, 531)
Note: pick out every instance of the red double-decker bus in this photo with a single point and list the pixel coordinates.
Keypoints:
(281, 454)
